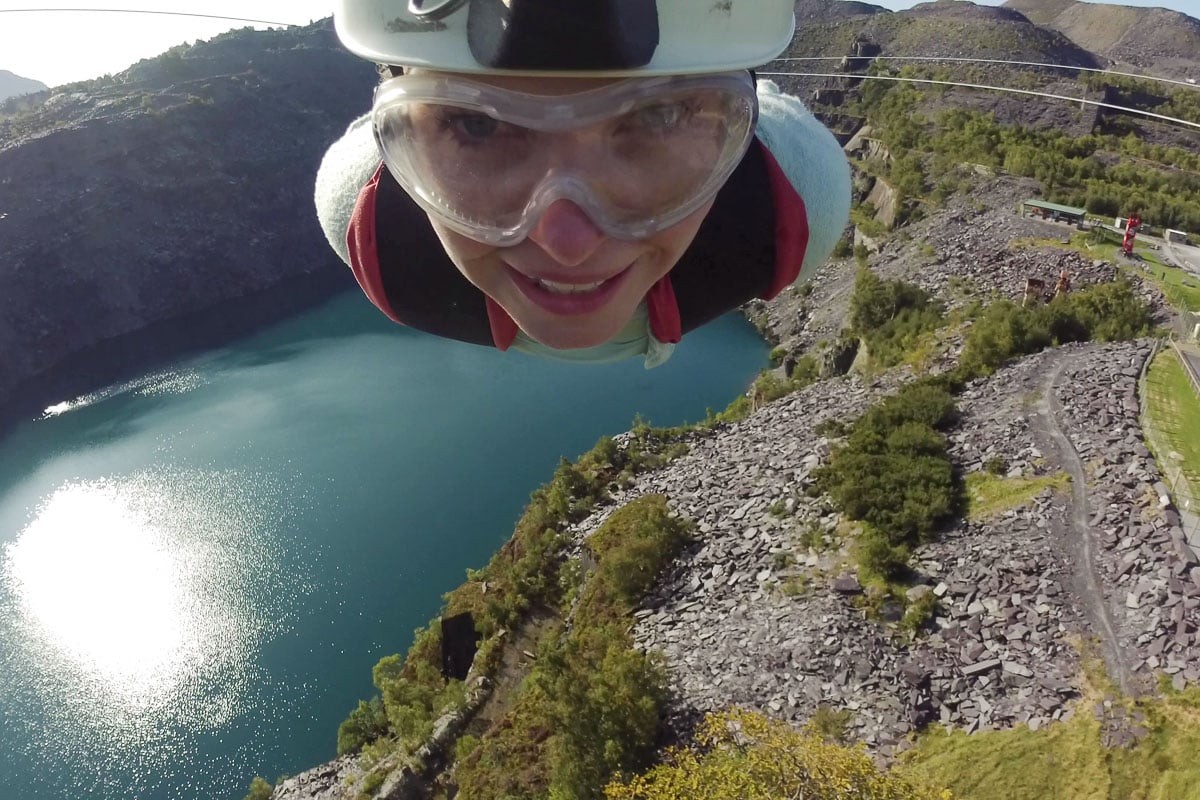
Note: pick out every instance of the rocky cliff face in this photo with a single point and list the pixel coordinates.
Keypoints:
(167, 208)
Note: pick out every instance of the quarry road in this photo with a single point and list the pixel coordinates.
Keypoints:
(1079, 537)
(1188, 258)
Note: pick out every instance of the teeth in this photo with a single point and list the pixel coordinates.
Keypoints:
(568, 288)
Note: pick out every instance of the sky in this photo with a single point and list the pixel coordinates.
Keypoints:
(61, 47)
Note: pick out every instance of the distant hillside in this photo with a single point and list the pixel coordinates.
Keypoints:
(946, 29)
(1153, 39)
(12, 85)
(166, 208)
(809, 11)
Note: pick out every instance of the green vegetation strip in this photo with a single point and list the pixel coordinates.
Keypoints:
(989, 495)
(739, 755)
(1068, 760)
(590, 709)
(1174, 411)
(1161, 182)
(519, 601)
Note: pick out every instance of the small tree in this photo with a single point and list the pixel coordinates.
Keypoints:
(260, 789)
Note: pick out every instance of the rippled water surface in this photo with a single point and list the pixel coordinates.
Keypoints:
(199, 568)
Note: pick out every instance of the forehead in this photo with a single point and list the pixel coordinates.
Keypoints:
(548, 85)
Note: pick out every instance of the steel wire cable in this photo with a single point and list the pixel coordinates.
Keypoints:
(1189, 84)
(150, 11)
(1068, 98)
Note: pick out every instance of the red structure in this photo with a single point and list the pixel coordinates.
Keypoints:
(1130, 232)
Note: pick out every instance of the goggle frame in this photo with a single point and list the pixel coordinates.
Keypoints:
(553, 113)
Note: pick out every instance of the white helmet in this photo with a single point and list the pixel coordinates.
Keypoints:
(570, 37)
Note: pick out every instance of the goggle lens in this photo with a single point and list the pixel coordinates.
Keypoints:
(659, 156)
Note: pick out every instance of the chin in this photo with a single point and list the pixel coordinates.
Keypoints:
(560, 336)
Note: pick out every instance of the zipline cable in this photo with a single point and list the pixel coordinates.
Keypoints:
(1068, 98)
(1190, 84)
(149, 11)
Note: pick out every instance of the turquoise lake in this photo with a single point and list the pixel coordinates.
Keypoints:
(199, 568)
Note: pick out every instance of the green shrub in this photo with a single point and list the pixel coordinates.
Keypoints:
(371, 783)
(831, 725)
(1003, 330)
(632, 546)
(878, 558)
(906, 498)
(892, 317)
(919, 615)
(465, 745)
(806, 371)
(260, 789)
(831, 428)
(1104, 312)
(923, 402)
(365, 724)
(1111, 312)
(861, 254)
(894, 474)
(996, 466)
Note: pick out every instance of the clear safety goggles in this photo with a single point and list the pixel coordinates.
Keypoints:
(637, 156)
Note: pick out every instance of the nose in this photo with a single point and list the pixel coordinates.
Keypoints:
(566, 233)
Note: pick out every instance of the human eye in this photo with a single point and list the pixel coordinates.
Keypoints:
(661, 117)
(472, 126)
(473, 129)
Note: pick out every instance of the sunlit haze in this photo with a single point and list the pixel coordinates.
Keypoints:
(57, 47)
(1190, 7)
(66, 46)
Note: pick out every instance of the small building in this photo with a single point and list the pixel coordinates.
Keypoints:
(1178, 237)
(1052, 211)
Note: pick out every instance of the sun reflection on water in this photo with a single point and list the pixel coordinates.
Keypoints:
(108, 589)
(156, 384)
(139, 602)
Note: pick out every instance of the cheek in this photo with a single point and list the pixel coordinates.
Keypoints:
(674, 241)
(468, 255)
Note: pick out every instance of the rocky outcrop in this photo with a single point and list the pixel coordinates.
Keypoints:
(166, 209)
(1149, 573)
(976, 247)
(760, 611)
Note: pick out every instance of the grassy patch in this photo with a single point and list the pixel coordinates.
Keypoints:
(1064, 762)
(1180, 290)
(989, 495)
(1067, 760)
(1174, 410)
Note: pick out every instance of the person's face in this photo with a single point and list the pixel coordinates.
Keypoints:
(568, 285)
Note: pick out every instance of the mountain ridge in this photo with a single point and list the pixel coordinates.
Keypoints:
(1139, 38)
(13, 85)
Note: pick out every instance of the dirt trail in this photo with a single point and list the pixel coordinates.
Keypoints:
(1080, 537)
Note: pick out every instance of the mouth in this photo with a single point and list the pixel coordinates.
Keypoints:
(569, 297)
(568, 288)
